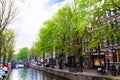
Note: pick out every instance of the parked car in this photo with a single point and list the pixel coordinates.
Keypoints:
(5, 69)
(1, 78)
(2, 73)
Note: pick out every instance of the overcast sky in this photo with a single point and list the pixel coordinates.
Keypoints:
(31, 17)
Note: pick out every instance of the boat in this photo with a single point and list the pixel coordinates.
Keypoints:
(19, 66)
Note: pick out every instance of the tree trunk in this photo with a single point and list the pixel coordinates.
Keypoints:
(52, 60)
(80, 55)
(4, 59)
(44, 59)
(60, 61)
(60, 64)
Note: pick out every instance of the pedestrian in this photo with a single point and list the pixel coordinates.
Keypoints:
(113, 69)
(119, 69)
(77, 67)
(99, 70)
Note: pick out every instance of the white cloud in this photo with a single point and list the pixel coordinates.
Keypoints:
(31, 17)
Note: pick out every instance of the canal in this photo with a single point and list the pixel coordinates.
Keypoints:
(31, 74)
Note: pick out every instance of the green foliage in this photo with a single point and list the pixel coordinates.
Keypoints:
(81, 58)
(7, 44)
(67, 30)
(22, 54)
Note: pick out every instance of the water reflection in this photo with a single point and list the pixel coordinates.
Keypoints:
(31, 74)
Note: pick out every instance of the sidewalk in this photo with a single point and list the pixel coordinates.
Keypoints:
(91, 72)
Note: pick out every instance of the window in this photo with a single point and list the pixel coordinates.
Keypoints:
(97, 62)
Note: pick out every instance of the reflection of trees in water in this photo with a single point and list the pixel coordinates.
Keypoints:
(32, 74)
(35, 74)
(23, 74)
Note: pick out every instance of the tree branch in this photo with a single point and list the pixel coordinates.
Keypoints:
(115, 4)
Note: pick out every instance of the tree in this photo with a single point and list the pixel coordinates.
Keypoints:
(10, 45)
(61, 33)
(7, 13)
(81, 19)
(46, 40)
(7, 45)
(23, 54)
(7, 48)
(64, 33)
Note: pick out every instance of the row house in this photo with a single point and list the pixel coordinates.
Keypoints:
(109, 50)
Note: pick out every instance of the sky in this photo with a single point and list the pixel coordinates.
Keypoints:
(32, 14)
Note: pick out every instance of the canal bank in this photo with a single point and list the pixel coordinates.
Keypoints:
(7, 75)
(75, 76)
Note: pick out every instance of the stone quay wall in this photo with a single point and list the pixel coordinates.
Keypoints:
(72, 75)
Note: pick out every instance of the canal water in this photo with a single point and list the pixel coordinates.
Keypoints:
(31, 74)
